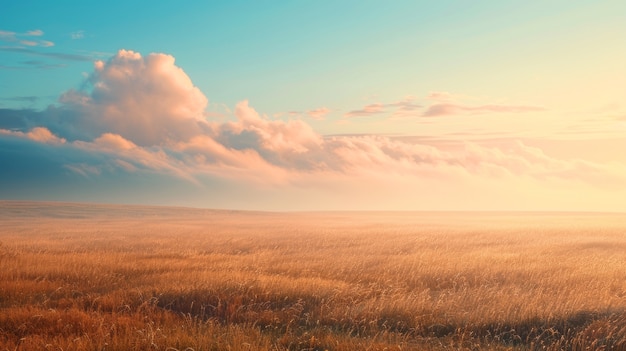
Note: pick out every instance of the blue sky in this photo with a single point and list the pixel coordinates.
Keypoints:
(459, 79)
(310, 53)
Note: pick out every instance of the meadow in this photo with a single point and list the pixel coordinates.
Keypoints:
(103, 277)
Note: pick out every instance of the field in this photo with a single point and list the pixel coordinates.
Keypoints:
(99, 277)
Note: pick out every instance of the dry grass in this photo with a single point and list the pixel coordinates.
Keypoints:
(76, 277)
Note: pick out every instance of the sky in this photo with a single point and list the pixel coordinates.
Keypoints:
(316, 105)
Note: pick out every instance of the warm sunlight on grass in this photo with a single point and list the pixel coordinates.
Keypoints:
(77, 277)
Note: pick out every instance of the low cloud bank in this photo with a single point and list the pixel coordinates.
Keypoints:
(143, 115)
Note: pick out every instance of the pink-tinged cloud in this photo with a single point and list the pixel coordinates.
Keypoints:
(205, 155)
(28, 42)
(114, 142)
(147, 100)
(293, 136)
(125, 155)
(402, 108)
(43, 135)
(34, 33)
(144, 116)
(405, 108)
(318, 113)
(38, 134)
(442, 110)
(345, 157)
(368, 110)
(439, 95)
(446, 109)
(42, 43)
(146, 112)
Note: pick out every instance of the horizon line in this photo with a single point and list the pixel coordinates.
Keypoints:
(52, 203)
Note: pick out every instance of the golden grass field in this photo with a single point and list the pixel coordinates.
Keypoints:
(100, 277)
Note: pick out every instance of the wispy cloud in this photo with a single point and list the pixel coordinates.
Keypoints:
(22, 98)
(83, 169)
(440, 105)
(31, 99)
(404, 107)
(28, 43)
(445, 109)
(439, 95)
(318, 113)
(79, 34)
(34, 66)
(43, 43)
(367, 110)
(25, 38)
(55, 55)
(409, 107)
(7, 36)
(38, 63)
(34, 33)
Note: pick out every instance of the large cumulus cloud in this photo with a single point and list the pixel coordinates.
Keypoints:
(148, 100)
(142, 115)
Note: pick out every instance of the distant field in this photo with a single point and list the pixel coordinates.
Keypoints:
(100, 277)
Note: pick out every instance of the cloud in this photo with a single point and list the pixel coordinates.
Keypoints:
(43, 135)
(84, 169)
(405, 108)
(400, 108)
(148, 100)
(37, 134)
(22, 119)
(28, 43)
(31, 99)
(141, 119)
(8, 36)
(277, 152)
(439, 95)
(43, 66)
(13, 37)
(34, 64)
(115, 152)
(79, 34)
(289, 144)
(442, 110)
(114, 142)
(367, 110)
(318, 113)
(34, 33)
(445, 109)
(408, 107)
(54, 55)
